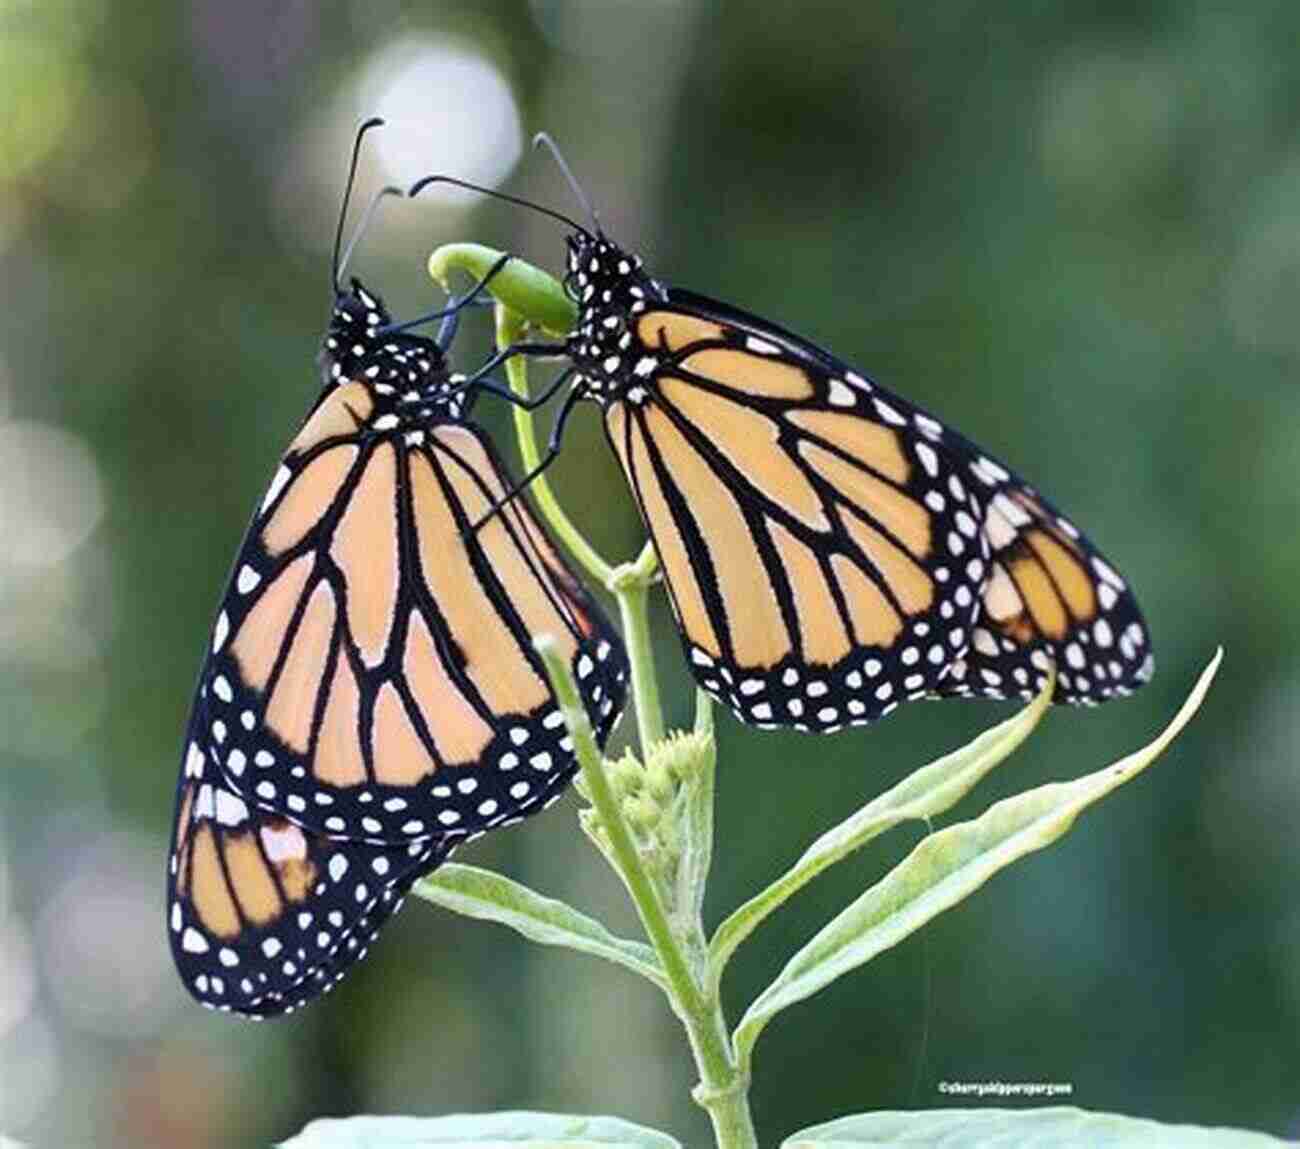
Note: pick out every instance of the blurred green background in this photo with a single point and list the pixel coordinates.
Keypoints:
(1071, 229)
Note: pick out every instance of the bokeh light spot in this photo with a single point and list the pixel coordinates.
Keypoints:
(51, 498)
(448, 110)
(89, 934)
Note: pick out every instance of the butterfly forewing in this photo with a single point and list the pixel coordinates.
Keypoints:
(814, 562)
(371, 673)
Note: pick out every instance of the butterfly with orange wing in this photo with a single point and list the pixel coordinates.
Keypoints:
(830, 549)
(370, 697)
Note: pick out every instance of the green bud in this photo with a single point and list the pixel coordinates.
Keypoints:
(626, 775)
(659, 781)
(524, 289)
(642, 812)
(683, 755)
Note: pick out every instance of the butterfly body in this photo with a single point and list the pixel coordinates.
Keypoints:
(830, 548)
(370, 696)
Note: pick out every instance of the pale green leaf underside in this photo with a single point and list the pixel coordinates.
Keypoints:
(1021, 1128)
(492, 897)
(924, 794)
(697, 820)
(944, 869)
(480, 1130)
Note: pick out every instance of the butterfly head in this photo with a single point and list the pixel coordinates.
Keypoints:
(394, 365)
(611, 287)
(601, 272)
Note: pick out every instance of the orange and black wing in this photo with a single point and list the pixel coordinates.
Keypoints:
(263, 914)
(832, 550)
(371, 673)
(1050, 598)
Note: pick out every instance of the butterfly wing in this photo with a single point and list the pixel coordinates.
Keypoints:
(371, 673)
(263, 914)
(828, 546)
(1050, 598)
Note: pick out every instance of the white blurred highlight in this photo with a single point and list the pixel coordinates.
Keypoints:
(448, 110)
(89, 935)
(17, 975)
(52, 497)
(29, 1073)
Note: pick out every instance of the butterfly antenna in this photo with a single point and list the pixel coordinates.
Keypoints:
(373, 122)
(420, 185)
(366, 216)
(544, 140)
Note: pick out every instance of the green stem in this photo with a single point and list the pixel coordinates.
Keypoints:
(629, 582)
(528, 296)
(510, 326)
(723, 1090)
(632, 589)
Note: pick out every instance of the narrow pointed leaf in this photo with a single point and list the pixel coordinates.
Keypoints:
(923, 794)
(481, 1130)
(944, 869)
(697, 825)
(1056, 1125)
(492, 897)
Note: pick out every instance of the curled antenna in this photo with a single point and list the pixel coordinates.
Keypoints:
(366, 216)
(420, 185)
(373, 122)
(544, 140)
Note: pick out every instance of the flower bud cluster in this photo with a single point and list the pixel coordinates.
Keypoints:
(653, 799)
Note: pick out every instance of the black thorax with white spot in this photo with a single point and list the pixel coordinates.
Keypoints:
(611, 290)
(406, 375)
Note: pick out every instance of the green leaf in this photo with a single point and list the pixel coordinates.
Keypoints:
(697, 818)
(477, 1129)
(524, 289)
(942, 870)
(1057, 1125)
(492, 897)
(929, 791)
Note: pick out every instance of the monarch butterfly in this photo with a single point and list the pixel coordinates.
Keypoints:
(830, 549)
(370, 696)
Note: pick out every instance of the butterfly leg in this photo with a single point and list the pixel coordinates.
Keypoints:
(536, 350)
(467, 300)
(528, 403)
(552, 452)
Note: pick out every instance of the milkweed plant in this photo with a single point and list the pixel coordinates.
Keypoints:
(649, 814)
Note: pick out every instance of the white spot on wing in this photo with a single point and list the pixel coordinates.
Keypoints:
(220, 632)
(282, 476)
(929, 460)
(888, 413)
(841, 395)
(231, 810)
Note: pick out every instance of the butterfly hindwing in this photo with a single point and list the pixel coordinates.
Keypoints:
(1050, 598)
(263, 914)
